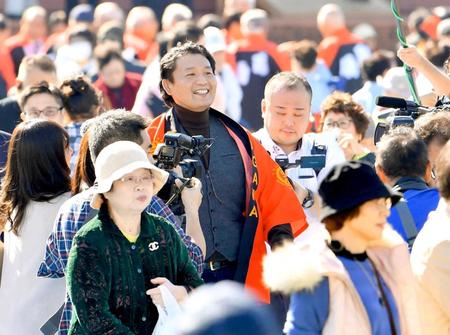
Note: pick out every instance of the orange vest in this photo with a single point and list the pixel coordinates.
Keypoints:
(271, 201)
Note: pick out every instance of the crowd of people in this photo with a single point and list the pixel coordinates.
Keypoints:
(162, 173)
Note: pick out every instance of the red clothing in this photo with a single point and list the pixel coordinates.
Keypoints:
(122, 97)
(255, 60)
(7, 68)
(270, 201)
(329, 46)
(256, 43)
(56, 40)
(146, 51)
(16, 44)
(344, 53)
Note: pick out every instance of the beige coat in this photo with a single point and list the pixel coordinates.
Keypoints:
(301, 267)
(27, 301)
(430, 260)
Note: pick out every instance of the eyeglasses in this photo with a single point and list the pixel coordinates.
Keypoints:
(132, 180)
(383, 203)
(47, 112)
(343, 124)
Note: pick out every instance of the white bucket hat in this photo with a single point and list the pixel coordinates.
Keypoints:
(119, 159)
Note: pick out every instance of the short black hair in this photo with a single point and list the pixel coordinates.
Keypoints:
(112, 126)
(185, 31)
(305, 53)
(110, 31)
(402, 153)
(210, 20)
(437, 54)
(169, 62)
(83, 33)
(104, 54)
(287, 81)
(376, 64)
(233, 18)
(41, 88)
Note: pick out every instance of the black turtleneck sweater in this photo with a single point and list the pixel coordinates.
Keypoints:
(195, 123)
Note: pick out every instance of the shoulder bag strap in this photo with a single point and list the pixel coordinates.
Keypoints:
(407, 221)
(385, 300)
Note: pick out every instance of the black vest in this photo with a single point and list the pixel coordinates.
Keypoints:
(223, 189)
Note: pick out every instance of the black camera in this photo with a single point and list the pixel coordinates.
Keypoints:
(315, 162)
(176, 146)
(174, 152)
(401, 112)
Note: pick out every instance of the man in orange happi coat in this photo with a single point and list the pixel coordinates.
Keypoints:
(247, 199)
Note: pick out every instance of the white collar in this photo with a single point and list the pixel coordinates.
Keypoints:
(268, 144)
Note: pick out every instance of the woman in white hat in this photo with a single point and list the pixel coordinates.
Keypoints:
(124, 253)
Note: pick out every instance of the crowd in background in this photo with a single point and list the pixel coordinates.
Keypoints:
(360, 241)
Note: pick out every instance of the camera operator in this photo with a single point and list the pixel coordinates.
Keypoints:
(402, 163)
(247, 200)
(286, 110)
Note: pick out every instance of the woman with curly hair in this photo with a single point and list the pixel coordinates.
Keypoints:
(342, 115)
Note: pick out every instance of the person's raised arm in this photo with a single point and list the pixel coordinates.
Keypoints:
(439, 80)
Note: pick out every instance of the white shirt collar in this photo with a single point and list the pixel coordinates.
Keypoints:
(267, 142)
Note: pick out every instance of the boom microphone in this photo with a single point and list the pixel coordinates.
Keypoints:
(391, 102)
(406, 106)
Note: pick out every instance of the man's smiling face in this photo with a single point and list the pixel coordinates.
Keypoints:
(193, 84)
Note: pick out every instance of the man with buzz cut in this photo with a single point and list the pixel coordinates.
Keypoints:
(286, 109)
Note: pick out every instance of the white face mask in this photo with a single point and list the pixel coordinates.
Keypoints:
(81, 51)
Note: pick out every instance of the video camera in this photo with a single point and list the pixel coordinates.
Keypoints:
(172, 153)
(401, 113)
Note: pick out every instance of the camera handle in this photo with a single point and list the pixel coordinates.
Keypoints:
(186, 183)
